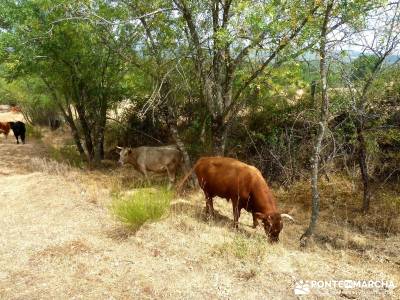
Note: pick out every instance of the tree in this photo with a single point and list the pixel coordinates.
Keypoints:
(382, 40)
(334, 14)
(232, 43)
(160, 63)
(77, 58)
(315, 159)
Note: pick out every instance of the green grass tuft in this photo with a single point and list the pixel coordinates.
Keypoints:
(146, 204)
(242, 247)
(33, 132)
(67, 153)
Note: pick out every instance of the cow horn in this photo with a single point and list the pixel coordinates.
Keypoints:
(260, 215)
(287, 216)
(120, 148)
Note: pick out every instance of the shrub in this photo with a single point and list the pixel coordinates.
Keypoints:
(68, 154)
(33, 131)
(136, 132)
(146, 204)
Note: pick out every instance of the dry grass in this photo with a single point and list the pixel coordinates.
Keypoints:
(59, 241)
(70, 248)
(242, 247)
(49, 166)
(341, 199)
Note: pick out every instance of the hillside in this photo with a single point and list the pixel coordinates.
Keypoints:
(59, 238)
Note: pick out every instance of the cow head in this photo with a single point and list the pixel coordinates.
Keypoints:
(273, 225)
(124, 155)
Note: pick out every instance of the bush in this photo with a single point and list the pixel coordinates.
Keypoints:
(136, 132)
(39, 112)
(33, 132)
(68, 154)
(146, 204)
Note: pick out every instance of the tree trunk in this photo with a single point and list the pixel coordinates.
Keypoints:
(99, 146)
(219, 132)
(314, 181)
(362, 161)
(99, 134)
(315, 159)
(74, 131)
(68, 116)
(313, 89)
(170, 119)
(181, 146)
(86, 131)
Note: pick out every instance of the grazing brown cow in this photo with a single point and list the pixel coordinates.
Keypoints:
(242, 184)
(5, 128)
(164, 159)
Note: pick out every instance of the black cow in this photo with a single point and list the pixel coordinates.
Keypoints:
(54, 123)
(19, 130)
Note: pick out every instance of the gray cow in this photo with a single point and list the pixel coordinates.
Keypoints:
(155, 159)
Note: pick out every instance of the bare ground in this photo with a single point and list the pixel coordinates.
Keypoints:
(59, 241)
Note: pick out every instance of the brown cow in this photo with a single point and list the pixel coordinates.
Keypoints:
(5, 128)
(245, 186)
(155, 159)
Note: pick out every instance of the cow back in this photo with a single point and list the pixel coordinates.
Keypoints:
(231, 179)
(156, 159)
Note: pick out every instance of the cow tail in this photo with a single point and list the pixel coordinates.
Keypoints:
(181, 183)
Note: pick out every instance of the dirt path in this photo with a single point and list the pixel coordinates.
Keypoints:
(58, 241)
(37, 215)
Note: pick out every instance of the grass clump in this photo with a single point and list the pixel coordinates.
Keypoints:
(49, 166)
(69, 154)
(33, 131)
(243, 248)
(145, 204)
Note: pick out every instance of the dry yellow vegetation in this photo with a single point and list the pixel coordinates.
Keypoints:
(59, 240)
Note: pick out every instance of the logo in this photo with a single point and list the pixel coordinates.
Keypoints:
(301, 288)
(304, 287)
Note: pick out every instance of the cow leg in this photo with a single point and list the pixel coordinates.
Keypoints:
(16, 136)
(172, 173)
(255, 221)
(210, 206)
(146, 176)
(142, 170)
(236, 213)
(23, 137)
(171, 177)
